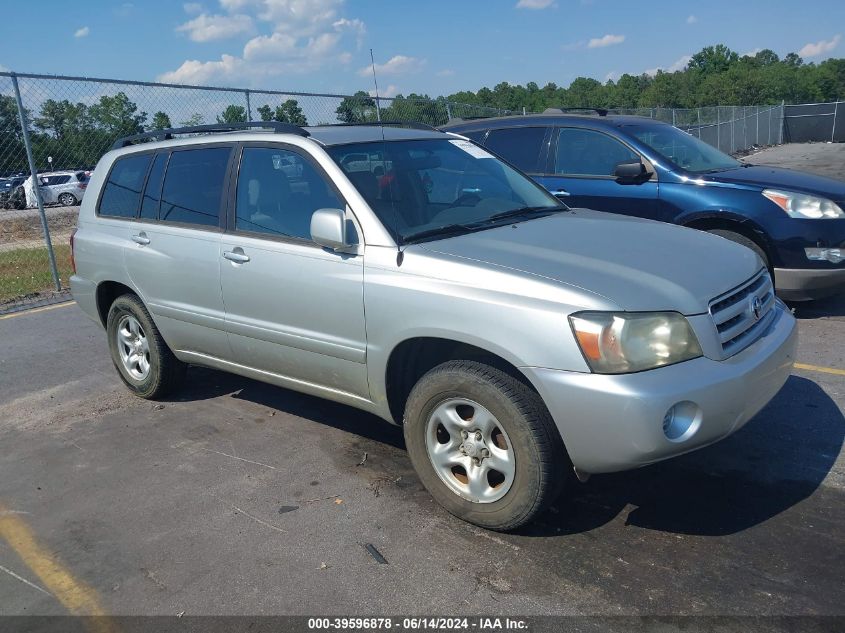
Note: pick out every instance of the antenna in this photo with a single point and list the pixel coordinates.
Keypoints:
(375, 82)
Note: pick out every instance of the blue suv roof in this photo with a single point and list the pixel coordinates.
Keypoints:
(532, 120)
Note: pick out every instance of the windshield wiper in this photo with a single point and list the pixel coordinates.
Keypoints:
(521, 211)
(440, 231)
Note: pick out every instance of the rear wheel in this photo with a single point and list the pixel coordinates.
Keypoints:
(67, 199)
(484, 445)
(142, 358)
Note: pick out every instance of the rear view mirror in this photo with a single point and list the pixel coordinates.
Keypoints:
(631, 172)
(328, 228)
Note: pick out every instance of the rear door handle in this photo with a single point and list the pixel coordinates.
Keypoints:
(237, 257)
(141, 239)
(561, 193)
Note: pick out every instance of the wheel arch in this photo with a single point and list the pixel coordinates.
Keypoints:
(728, 221)
(410, 359)
(106, 293)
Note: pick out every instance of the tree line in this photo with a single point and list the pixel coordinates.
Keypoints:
(76, 134)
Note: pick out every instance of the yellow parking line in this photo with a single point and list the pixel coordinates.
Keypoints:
(34, 310)
(76, 596)
(824, 370)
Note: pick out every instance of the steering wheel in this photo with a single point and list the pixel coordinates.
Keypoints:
(466, 200)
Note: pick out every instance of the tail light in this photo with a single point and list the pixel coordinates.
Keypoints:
(72, 256)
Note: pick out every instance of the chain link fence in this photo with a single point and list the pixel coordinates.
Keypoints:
(732, 129)
(72, 121)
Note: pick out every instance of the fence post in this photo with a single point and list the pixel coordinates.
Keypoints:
(718, 129)
(35, 188)
(248, 106)
(782, 120)
(757, 112)
(448, 112)
(833, 131)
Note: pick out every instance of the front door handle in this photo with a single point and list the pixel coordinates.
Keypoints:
(141, 239)
(561, 193)
(237, 256)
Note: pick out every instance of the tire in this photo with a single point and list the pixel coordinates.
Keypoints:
(748, 243)
(516, 488)
(153, 371)
(67, 199)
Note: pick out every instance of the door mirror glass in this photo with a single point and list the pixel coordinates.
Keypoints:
(328, 228)
(630, 171)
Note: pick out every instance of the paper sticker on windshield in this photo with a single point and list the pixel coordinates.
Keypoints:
(470, 148)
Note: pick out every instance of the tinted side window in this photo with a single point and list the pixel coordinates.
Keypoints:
(122, 192)
(589, 153)
(193, 186)
(152, 192)
(278, 192)
(520, 146)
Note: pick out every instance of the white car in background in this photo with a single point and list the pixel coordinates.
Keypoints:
(66, 188)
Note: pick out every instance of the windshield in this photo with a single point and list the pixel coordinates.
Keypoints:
(421, 187)
(684, 150)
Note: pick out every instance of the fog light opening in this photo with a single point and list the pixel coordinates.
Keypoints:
(681, 421)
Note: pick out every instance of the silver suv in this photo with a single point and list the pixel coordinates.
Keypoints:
(415, 275)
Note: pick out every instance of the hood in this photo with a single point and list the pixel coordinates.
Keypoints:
(639, 265)
(778, 178)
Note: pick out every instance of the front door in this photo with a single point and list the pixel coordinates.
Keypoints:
(580, 173)
(293, 308)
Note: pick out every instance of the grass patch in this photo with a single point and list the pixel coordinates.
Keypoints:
(25, 271)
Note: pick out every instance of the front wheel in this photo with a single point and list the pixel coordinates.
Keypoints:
(484, 444)
(748, 243)
(142, 358)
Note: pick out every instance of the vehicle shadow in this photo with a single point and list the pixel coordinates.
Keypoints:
(828, 307)
(777, 460)
(205, 384)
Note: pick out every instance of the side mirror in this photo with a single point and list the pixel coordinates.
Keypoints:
(633, 171)
(328, 228)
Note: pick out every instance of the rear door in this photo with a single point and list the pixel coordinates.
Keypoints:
(293, 308)
(174, 255)
(580, 169)
(523, 147)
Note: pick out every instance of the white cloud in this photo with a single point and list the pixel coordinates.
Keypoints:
(396, 65)
(677, 65)
(295, 37)
(752, 53)
(814, 49)
(192, 8)
(206, 28)
(605, 40)
(611, 76)
(83, 32)
(534, 4)
(692, 19)
(446, 72)
(390, 91)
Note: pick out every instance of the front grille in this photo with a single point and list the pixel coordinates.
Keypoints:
(734, 316)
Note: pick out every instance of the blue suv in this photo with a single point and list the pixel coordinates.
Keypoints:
(637, 166)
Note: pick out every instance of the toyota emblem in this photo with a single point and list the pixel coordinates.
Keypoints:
(756, 308)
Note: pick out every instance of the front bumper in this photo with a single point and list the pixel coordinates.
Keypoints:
(611, 423)
(806, 284)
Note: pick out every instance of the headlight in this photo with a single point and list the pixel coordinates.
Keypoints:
(622, 342)
(799, 205)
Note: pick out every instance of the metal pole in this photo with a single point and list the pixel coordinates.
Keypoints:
(448, 112)
(782, 120)
(248, 107)
(718, 130)
(833, 131)
(757, 141)
(34, 174)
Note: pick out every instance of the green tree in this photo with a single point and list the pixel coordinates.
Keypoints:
(287, 112)
(61, 118)
(161, 121)
(195, 119)
(117, 115)
(713, 59)
(233, 114)
(358, 108)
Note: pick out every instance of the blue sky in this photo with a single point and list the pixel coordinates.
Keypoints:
(434, 47)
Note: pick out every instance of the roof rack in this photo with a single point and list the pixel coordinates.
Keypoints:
(414, 125)
(163, 135)
(599, 111)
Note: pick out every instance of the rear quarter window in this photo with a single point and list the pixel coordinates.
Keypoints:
(193, 186)
(520, 146)
(122, 192)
